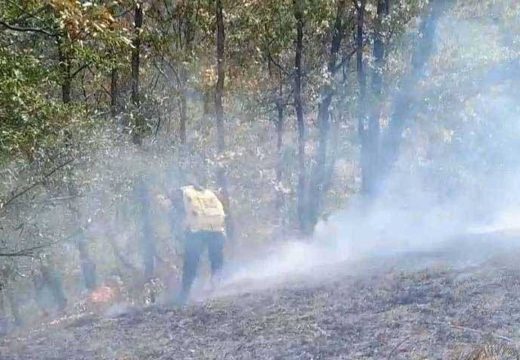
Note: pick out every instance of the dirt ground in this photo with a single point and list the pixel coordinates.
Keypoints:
(432, 305)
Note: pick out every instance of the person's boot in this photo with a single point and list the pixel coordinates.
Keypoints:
(215, 282)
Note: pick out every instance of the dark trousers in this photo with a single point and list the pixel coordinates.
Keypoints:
(194, 245)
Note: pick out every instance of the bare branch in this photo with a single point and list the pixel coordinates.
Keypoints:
(80, 69)
(345, 59)
(26, 29)
(172, 68)
(29, 252)
(5, 203)
(275, 63)
(28, 16)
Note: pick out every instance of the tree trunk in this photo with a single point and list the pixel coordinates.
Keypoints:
(402, 106)
(279, 146)
(279, 125)
(207, 102)
(373, 133)
(298, 107)
(87, 265)
(138, 23)
(219, 110)
(318, 177)
(188, 31)
(361, 75)
(329, 170)
(146, 239)
(66, 88)
(51, 279)
(114, 92)
(65, 69)
(219, 91)
(3, 312)
(15, 307)
(183, 104)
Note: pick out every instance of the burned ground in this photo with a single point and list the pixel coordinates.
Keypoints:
(408, 306)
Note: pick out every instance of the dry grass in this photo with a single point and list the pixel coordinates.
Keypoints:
(492, 352)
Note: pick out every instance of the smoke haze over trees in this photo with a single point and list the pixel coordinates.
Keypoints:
(291, 109)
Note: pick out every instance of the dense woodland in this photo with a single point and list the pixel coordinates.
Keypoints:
(289, 108)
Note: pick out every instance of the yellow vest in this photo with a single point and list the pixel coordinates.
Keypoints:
(203, 210)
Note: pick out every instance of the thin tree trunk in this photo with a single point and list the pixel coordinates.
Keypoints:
(183, 104)
(87, 265)
(279, 123)
(114, 92)
(219, 109)
(65, 69)
(15, 308)
(50, 275)
(300, 121)
(207, 107)
(52, 279)
(373, 133)
(3, 289)
(66, 88)
(329, 170)
(146, 239)
(336, 126)
(188, 40)
(219, 91)
(361, 75)
(138, 23)
(318, 177)
(279, 146)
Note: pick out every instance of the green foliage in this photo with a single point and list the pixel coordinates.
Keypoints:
(50, 44)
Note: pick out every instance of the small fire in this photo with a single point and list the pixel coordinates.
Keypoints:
(102, 298)
(104, 294)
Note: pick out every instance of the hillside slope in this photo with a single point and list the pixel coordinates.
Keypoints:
(408, 306)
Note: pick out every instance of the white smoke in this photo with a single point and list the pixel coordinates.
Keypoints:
(467, 183)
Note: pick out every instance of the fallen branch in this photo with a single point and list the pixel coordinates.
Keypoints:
(395, 348)
(61, 198)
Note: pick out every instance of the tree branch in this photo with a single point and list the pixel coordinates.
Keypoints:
(5, 203)
(26, 29)
(34, 14)
(275, 63)
(80, 69)
(29, 252)
(344, 60)
(172, 68)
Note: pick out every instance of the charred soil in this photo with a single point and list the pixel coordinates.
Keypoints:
(407, 306)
